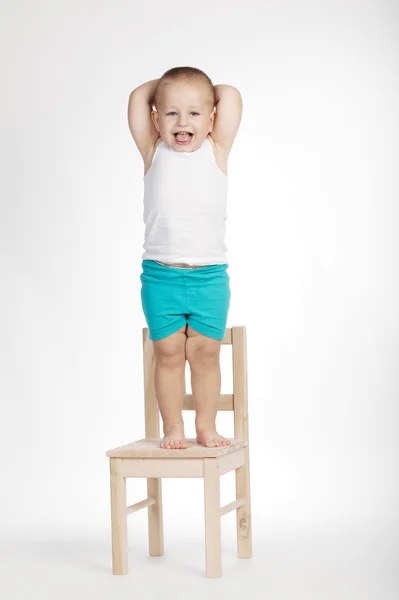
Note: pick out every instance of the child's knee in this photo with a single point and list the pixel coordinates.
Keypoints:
(202, 350)
(171, 349)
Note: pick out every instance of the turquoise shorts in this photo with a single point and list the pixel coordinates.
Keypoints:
(172, 297)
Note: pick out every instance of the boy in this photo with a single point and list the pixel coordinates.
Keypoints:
(185, 287)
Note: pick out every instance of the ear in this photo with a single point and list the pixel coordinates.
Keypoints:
(211, 120)
(155, 118)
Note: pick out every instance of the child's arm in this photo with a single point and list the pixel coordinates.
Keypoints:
(140, 121)
(228, 116)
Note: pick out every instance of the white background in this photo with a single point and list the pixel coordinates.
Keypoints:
(312, 241)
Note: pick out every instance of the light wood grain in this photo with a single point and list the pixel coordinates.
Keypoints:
(232, 461)
(151, 449)
(163, 467)
(118, 518)
(155, 517)
(152, 430)
(145, 458)
(140, 505)
(232, 506)
(213, 542)
(240, 390)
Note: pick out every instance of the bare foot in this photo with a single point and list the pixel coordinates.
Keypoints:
(174, 438)
(209, 437)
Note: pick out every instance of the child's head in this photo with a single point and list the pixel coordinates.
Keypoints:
(184, 100)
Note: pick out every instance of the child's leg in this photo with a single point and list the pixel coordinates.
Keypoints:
(170, 362)
(203, 354)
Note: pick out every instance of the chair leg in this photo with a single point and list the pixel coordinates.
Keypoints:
(244, 527)
(118, 518)
(213, 546)
(155, 519)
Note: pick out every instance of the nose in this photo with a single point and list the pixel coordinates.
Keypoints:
(183, 117)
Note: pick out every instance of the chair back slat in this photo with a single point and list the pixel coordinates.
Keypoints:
(237, 401)
(150, 401)
(240, 382)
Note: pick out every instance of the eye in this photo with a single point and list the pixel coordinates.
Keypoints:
(174, 112)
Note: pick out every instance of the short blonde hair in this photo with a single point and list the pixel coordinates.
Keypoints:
(185, 75)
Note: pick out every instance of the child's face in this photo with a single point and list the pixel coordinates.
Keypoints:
(183, 107)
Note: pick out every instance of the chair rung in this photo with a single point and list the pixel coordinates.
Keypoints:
(139, 505)
(232, 506)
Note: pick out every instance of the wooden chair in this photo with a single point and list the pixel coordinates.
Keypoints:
(145, 458)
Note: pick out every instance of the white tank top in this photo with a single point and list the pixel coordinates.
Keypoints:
(185, 201)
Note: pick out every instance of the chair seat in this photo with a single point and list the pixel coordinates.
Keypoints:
(151, 449)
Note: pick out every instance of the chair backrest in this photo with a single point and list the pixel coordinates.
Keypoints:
(237, 401)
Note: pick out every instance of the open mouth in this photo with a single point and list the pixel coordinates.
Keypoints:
(183, 138)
